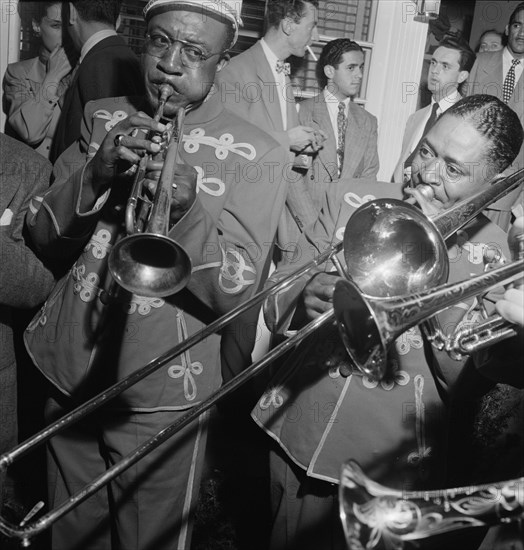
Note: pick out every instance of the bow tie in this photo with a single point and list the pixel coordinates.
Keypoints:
(283, 67)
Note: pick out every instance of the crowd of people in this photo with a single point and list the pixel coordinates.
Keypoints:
(260, 185)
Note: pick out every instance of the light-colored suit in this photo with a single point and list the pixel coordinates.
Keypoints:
(247, 87)
(360, 152)
(486, 78)
(32, 111)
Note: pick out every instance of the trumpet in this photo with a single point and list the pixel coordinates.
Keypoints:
(431, 262)
(147, 262)
(374, 516)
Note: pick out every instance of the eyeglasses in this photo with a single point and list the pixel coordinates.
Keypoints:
(191, 56)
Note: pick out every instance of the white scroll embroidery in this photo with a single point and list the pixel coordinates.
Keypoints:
(356, 200)
(232, 278)
(99, 244)
(206, 184)
(85, 285)
(420, 423)
(187, 368)
(223, 145)
(271, 397)
(112, 118)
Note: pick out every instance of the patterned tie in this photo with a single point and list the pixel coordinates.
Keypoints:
(431, 120)
(283, 67)
(341, 124)
(509, 81)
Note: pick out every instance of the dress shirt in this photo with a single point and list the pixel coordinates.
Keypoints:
(281, 80)
(332, 107)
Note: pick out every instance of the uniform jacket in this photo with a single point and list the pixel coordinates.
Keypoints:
(24, 281)
(33, 112)
(393, 428)
(109, 69)
(247, 87)
(486, 78)
(101, 334)
(360, 155)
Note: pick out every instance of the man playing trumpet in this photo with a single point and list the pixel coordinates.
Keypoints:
(320, 410)
(228, 194)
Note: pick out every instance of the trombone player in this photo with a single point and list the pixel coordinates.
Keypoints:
(228, 192)
(318, 410)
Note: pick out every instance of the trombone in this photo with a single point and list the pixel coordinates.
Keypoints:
(433, 249)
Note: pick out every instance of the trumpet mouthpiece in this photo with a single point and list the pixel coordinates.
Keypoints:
(166, 91)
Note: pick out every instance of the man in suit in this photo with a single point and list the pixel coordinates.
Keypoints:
(350, 149)
(107, 67)
(26, 282)
(448, 70)
(256, 85)
(499, 73)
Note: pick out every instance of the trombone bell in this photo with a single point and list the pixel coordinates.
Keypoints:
(150, 265)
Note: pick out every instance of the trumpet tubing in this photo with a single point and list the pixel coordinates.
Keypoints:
(147, 262)
(374, 516)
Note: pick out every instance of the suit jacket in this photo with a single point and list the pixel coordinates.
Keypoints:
(247, 87)
(486, 78)
(25, 282)
(109, 69)
(360, 152)
(32, 112)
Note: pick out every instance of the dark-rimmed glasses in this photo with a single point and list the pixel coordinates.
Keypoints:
(191, 56)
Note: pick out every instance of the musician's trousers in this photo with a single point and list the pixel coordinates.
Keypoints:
(147, 507)
(304, 510)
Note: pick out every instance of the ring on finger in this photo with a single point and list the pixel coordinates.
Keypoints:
(118, 139)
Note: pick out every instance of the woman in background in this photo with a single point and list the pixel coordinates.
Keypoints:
(33, 87)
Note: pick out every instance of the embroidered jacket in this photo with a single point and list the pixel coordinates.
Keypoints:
(90, 333)
(393, 427)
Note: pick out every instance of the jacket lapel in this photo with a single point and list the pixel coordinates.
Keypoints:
(267, 85)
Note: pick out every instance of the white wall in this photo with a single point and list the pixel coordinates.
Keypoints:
(394, 76)
(9, 40)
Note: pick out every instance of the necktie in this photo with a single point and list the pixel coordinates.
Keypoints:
(283, 67)
(431, 120)
(509, 81)
(341, 125)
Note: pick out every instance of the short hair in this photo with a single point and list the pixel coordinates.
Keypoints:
(278, 10)
(102, 11)
(516, 11)
(467, 55)
(332, 54)
(35, 10)
(494, 120)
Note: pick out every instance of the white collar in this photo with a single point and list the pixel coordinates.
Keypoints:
(93, 40)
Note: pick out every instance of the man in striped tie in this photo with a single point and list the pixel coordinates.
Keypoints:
(500, 74)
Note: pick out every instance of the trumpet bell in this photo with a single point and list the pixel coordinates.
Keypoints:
(391, 248)
(150, 265)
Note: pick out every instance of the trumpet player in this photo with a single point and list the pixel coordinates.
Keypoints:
(318, 409)
(228, 192)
